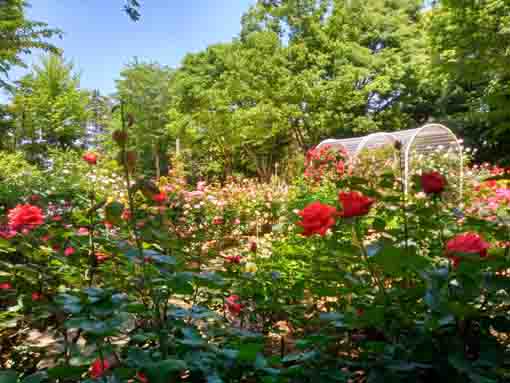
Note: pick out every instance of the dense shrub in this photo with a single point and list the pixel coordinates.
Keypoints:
(336, 277)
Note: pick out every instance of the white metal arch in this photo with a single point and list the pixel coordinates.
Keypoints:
(389, 137)
(431, 136)
(331, 142)
(416, 134)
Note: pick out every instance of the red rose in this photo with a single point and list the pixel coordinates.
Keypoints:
(354, 204)
(25, 217)
(101, 257)
(69, 251)
(56, 218)
(5, 286)
(99, 367)
(7, 233)
(317, 218)
(340, 168)
(160, 197)
(83, 231)
(141, 377)
(36, 296)
(433, 182)
(91, 158)
(233, 259)
(218, 221)
(467, 243)
(232, 304)
(253, 247)
(107, 224)
(34, 198)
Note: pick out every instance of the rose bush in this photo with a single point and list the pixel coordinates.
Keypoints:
(333, 278)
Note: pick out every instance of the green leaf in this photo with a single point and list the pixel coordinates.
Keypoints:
(5, 244)
(136, 308)
(180, 283)
(248, 351)
(70, 303)
(379, 224)
(395, 260)
(500, 177)
(37, 377)
(191, 337)
(8, 376)
(113, 212)
(158, 257)
(66, 372)
(95, 327)
(404, 366)
(303, 357)
(165, 371)
(389, 258)
(214, 378)
(94, 291)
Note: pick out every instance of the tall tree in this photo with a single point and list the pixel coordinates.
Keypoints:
(6, 129)
(302, 71)
(469, 43)
(20, 36)
(99, 110)
(50, 108)
(226, 104)
(144, 90)
(350, 63)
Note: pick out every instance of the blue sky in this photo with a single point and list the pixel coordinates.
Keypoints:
(100, 38)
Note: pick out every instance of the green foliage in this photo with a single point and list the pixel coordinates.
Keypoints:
(342, 69)
(49, 108)
(469, 49)
(144, 91)
(17, 178)
(174, 287)
(20, 36)
(159, 280)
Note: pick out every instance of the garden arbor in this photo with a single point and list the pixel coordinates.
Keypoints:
(422, 141)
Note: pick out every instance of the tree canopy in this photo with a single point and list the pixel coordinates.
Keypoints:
(298, 72)
(18, 35)
(469, 44)
(50, 109)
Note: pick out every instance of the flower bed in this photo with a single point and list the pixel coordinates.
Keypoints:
(334, 278)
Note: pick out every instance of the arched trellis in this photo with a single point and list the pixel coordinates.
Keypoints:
(421, 140)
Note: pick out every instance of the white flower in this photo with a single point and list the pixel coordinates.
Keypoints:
(421, 195)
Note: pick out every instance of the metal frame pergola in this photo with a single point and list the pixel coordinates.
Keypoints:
(423, 140)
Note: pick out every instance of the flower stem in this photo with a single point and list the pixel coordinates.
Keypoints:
(357, 237)
(127, 178)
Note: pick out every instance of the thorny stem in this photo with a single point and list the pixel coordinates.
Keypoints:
(127, 178)
(436, 200)
(101, 358)
(404, 202)
(507, 245)
(364, 255)
(92, 249)
(158, 318)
